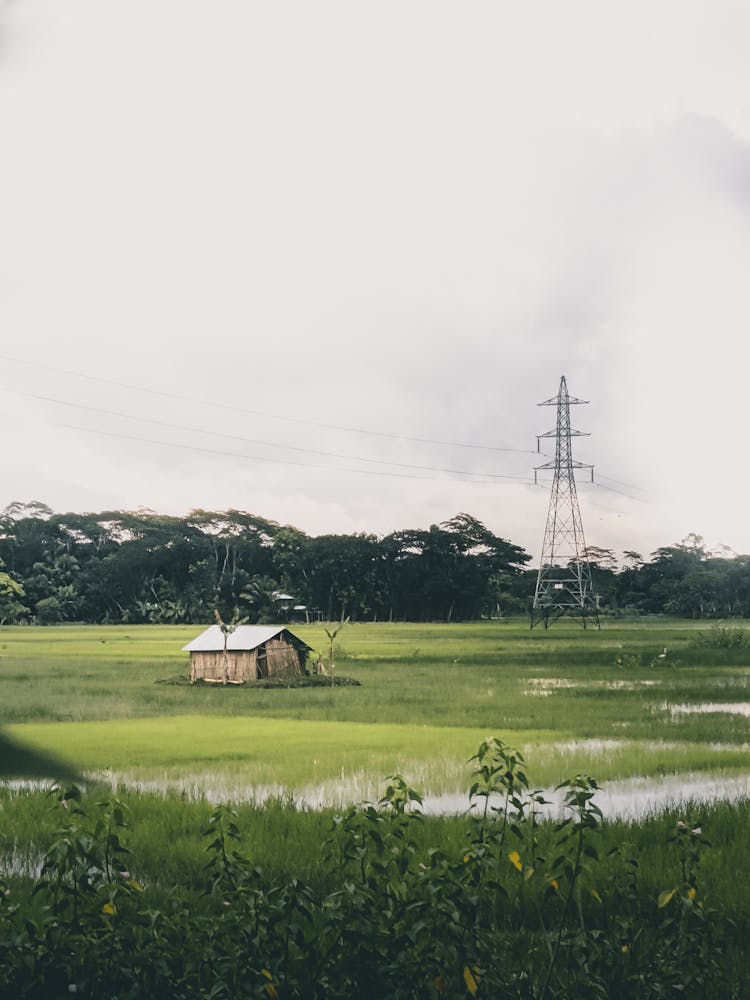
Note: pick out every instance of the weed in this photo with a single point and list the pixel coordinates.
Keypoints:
(394, 915)
(721, 637)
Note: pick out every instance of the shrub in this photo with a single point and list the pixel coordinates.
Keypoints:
(504, 918)
(721, 637)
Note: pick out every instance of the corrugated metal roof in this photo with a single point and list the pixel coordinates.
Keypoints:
(244, 637)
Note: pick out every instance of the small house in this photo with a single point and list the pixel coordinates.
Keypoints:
(247, 653)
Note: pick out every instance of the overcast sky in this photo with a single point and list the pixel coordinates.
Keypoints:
(234, 226)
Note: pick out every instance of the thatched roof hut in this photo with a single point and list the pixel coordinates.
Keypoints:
(248, 653)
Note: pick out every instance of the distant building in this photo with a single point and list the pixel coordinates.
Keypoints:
(283, 601)
(248, 653)
(291, 612)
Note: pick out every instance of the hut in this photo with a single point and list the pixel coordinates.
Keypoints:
(247, 653)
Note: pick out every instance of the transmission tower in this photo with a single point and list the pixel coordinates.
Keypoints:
(563, 585)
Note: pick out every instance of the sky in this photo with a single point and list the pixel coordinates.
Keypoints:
(321, 261)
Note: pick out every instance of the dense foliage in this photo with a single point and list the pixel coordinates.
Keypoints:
(521, 910)
(142, 567)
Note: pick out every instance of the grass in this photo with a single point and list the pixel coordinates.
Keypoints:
(277, 754)
(168, 847)
(338, 761)
(428, 694)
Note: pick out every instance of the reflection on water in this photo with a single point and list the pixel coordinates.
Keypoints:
(631, 798)
(728, 707)
(542, 686)
(628, 798)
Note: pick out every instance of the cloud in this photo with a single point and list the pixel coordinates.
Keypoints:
(411, 219)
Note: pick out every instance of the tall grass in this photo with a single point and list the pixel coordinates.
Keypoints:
(166, 840)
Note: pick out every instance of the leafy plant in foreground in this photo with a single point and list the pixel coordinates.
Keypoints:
(522, 910)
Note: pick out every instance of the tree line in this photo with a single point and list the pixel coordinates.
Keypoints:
(142, 567)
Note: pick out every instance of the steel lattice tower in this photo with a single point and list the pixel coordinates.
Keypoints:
(564, 584)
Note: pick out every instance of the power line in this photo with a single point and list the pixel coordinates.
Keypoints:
(603, 486)
(296, 420)
(600, 476)
(619, 482)
(245, 440)
(611, 489)
(258, 413)
(264, 458)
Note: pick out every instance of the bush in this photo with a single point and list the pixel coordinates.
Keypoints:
(721, 637)
(48, 611)
(504, 918)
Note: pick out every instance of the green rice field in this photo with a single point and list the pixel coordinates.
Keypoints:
(646, 708)
(112, 702)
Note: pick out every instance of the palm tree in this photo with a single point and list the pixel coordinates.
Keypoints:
(259, 593)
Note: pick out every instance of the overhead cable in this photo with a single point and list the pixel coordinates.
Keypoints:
(253, 441)
(275, 461)
(259, 413)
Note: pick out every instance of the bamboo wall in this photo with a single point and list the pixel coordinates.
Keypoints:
(282, 659)
(243, 666)
(275, 658)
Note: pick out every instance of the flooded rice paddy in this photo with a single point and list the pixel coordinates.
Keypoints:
(631, 798)
(628, 798)
(726, 707)
(544, 686)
